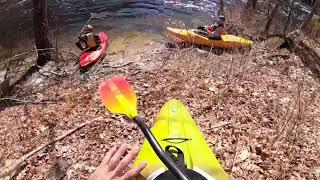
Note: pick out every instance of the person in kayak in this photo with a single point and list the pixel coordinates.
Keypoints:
(89, 38)
(112, 167)
(215, 30)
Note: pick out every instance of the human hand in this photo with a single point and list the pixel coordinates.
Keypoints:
(112, 168)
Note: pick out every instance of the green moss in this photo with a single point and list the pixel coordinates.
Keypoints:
(318, 24)
(6, 53)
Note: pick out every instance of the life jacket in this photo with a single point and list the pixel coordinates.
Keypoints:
(211, 28)
(219, 31)
(91, 41)
(214, 26)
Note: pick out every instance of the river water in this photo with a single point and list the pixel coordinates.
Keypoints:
(119, 18)
(135, 21)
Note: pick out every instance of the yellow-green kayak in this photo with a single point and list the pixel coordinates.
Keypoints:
(191, 36)
(179, 135)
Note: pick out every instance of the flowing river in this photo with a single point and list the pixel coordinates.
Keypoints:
(126, 19)
(135, 21)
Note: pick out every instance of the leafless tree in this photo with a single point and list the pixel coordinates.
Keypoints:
(252, 4)
(41, 30)
(221, 7)
(307, 21)
(272, 14)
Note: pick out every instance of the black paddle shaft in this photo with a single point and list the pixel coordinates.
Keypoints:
(171, 165)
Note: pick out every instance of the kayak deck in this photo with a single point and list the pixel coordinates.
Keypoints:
(87, 58)
(174, 126)
(191, 36)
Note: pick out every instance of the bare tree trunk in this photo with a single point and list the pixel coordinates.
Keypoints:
(41, 30)
(307, 21)
(221, 7)
(251, 4)
(271, 16)
(289, 17)
(4, 82)
(41, 34)
(269, 6)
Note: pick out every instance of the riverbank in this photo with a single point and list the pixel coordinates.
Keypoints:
(258, 110)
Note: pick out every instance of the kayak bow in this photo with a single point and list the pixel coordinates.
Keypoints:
(175, 147)
(174, 127)
(119, 97)
(87, 58)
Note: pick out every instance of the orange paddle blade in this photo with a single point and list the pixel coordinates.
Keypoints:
(118, 96)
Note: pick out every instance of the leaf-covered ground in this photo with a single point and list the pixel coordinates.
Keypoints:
(258, 111)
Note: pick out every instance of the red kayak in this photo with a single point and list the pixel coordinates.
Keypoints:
(87, 58)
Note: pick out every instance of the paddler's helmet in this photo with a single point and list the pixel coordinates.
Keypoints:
(88, 28)
(222, 18)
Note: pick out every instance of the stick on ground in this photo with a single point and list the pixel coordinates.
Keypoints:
(26, 101)
(24, 158)
(119, 66)
(219, 125)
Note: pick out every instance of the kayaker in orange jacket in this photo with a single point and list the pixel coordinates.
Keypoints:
(215, 30)
(89, 38)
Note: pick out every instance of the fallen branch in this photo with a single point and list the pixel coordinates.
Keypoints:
(218, 125)
(119, 66)
(47, 76)
(21, 54)
(136, 72)
(24, 158)
(15, 56)
(284, 56)
(235, 157)
(48, 71)
(25, 101)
